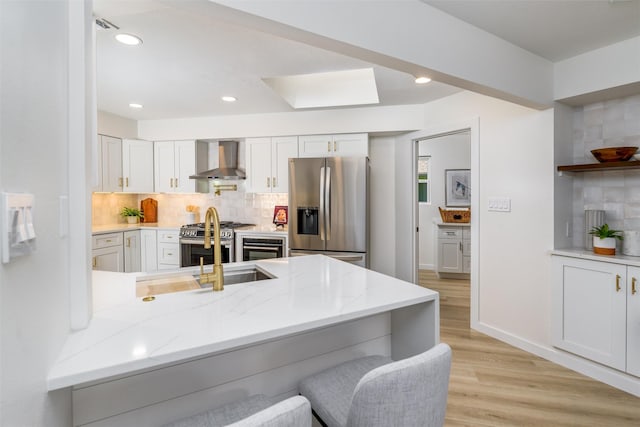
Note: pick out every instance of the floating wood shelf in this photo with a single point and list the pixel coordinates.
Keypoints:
(635, 164)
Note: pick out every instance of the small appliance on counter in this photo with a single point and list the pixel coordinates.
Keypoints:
(149, 208)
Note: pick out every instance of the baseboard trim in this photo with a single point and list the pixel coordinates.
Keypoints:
(427, 267)
(619, 380)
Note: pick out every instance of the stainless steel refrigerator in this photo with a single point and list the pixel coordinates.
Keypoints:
(328, 208)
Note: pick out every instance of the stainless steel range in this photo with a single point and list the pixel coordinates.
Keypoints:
(192, 243)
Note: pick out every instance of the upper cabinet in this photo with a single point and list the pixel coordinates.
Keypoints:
(137, 166)
(174, 162)
(111, 162)
(125, 165)
(343, 145)
(268, 162)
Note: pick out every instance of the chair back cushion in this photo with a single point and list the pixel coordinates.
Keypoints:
(292, 412)
(409, 392)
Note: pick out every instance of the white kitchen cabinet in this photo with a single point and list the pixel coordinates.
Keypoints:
(174, 162)
(633, 321)
(111, 163)
(453, 249)
(148, 250)
(107, 252)
(137, 166)
(596, 313)
(132, 251)
(268, 163)
(341, 145)
(168, 249)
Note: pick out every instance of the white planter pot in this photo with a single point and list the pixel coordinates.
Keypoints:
(606, 246)
(132, 219)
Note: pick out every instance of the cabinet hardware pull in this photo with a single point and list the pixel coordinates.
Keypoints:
(335, 148)
(169, 253)
(128, 242)
(120, 182)
(273, 180)
(633, 286)
(460, 246)
(617, 283)
(127, 181)
(328, 146)
(171, 182)
(108, 240)
(94, 262)
(176, 182)
(268, 182)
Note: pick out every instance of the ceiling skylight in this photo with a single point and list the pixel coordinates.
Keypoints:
(332, 89)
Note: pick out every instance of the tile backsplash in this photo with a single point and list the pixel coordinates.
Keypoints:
(253, 208)
(612, 123)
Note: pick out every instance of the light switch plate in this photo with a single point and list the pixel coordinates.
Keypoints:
(499, 204)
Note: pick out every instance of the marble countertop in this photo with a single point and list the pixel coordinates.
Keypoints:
(127, 335)
(113, 228)
(586, 254)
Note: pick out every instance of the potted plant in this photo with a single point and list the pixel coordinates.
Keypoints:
(131, 214)
(604, 239)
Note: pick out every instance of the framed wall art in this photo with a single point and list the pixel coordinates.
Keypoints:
(457, 187)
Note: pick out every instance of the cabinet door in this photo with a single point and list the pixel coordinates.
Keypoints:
(185, 166)
(282, 149)
(315, 146)
(589, 309)
(449, 256)
(108, 259)
(137, 163)
(633, 321)
(132, 260)
(148, 250)
(356, 144)
(163, 160)
(111, 164)
(258, 165)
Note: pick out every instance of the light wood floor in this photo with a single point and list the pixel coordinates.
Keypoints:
(495, 384)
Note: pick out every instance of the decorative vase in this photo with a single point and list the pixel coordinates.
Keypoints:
(606, 246)
(132, 219)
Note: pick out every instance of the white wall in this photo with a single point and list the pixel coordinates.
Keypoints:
(447, 152)
(34, 293)
(120, 127)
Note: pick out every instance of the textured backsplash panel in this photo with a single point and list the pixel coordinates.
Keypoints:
(606, 124)
(253, 208)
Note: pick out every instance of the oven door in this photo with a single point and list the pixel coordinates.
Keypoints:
(191, 250)
(258, 248)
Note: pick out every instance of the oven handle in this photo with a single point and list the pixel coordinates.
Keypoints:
(265, 248)
(201, 242)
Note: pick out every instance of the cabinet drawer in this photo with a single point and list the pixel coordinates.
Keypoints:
(169, 253)
(106, 240)
(168, 236)
(450, 232)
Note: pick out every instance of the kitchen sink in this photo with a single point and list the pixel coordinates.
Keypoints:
(232, 277)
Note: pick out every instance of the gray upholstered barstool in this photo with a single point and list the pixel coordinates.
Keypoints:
(254, 411)
(375, 391)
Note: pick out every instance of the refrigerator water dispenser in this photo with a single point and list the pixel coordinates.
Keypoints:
(308, 221)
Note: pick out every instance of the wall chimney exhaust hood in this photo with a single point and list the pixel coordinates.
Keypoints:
(228, 164)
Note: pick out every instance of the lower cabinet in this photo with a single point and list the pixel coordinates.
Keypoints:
(168, 249)
(107, 252)
(132, 254)
(596, 311)
(148, 250)
(453, 249)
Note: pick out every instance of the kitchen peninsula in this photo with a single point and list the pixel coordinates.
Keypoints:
(147, 363)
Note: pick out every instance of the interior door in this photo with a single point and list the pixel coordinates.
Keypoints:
(347, 213)
(305, 204)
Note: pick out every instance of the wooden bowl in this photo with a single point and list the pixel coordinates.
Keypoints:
(614, 154)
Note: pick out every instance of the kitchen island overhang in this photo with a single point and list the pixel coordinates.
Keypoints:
(311, 300)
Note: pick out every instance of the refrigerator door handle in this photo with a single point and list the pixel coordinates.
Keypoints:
(327, 203)
(321, 213)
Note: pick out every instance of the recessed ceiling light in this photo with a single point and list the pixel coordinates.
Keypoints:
(129, 39)
(134, 105)
(422, 80)
(229, 98)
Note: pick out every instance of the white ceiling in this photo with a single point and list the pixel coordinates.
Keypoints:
(188, 61)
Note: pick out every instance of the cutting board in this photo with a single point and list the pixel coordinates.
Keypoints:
(150, 209)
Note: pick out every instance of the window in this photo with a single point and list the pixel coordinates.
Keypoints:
(424, 193)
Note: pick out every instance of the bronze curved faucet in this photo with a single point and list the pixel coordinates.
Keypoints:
(216, 277)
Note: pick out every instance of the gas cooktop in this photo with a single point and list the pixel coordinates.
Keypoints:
(197, 230)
